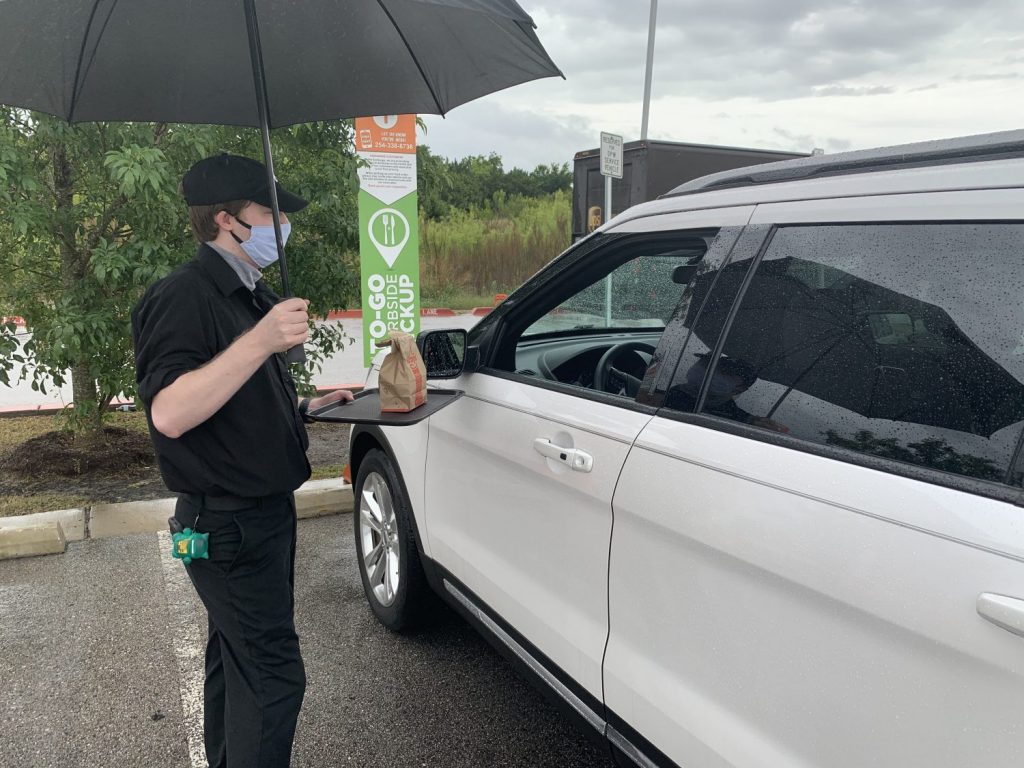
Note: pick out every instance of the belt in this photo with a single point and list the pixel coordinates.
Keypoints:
(233, 503)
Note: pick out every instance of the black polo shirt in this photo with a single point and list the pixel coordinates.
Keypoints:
(255, 445)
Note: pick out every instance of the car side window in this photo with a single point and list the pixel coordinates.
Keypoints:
(902, 341)
(638, 294)
(598, 325)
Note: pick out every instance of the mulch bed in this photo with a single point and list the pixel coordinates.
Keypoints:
(122, 466)
(59, 455)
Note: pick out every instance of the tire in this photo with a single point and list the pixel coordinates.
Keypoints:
(382, 514)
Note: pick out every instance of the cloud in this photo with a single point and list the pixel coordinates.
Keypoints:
(850, 90)
(829, 144)
(789, 74)
(751, 48)
(523, 139)
(982, 77)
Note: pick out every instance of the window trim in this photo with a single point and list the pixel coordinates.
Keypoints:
(760, 248)
(988, 488)
(749, 241)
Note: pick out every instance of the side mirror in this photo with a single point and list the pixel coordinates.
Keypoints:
(682, 275)
(444, 352)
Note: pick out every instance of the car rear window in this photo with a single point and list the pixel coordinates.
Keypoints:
(902, 341)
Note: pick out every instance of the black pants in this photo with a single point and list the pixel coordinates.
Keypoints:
(255, 679)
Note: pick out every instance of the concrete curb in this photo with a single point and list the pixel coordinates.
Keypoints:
(71, 522)
(42, 539)
(47, 532)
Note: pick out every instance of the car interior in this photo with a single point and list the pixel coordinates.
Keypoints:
(600, 327)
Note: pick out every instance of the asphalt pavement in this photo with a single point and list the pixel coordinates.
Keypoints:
(101, 658)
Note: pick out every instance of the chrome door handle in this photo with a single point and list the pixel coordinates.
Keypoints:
(574, 458)
(1003, 611)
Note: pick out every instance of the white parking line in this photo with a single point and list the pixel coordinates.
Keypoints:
(189, 638)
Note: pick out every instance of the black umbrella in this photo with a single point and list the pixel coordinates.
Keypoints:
(261, 63)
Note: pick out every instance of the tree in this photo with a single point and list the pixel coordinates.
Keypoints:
(90, 215)
(478, 182)
(434, 183)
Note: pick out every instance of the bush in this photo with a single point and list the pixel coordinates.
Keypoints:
(490, 251)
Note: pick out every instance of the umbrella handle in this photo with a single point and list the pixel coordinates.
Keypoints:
(296, 354)
(260, 83)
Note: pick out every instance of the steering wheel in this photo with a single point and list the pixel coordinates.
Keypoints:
(608, 378)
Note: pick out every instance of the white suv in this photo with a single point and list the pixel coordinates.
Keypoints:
(738, 478)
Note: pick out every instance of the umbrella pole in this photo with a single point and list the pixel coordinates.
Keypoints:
(296, 354)
(807, 370)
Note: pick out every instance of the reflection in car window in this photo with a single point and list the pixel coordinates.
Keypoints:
(899, 341)
(700, 318)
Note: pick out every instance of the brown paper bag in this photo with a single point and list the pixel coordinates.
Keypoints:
(403, 376)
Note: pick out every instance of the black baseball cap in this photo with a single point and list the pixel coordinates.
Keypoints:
(223, 178)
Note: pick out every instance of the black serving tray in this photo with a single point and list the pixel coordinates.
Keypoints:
(365, 409)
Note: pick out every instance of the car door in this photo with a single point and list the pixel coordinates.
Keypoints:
(817, 557)
(520, 471)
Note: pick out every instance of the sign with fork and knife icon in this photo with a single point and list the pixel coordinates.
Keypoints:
(388, 219)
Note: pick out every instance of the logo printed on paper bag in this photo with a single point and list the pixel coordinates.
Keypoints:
(389, 232)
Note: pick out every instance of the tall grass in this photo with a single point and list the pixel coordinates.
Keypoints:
(483, 252)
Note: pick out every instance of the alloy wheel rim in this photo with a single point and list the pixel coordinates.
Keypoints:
(378, 532)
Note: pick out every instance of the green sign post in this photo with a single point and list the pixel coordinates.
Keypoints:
(388, 228)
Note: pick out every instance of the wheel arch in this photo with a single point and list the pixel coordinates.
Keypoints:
(364, 440)
(368, 437)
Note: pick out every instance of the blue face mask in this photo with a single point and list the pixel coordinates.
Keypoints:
(721, 387)
(261, 246)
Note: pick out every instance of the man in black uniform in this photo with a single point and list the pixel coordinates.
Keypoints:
(230, 439)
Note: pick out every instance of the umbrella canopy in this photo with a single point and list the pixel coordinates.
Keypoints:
(261, 63)
(188, 61)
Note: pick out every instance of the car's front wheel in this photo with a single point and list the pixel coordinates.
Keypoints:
(386, 550)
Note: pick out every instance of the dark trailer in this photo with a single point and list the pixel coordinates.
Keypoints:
(650, 169)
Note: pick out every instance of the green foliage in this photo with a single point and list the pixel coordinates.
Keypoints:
(484, 230)
(90, 215)
(495, 249)
(480, 183)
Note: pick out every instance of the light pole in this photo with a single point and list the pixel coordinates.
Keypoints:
(650, 67)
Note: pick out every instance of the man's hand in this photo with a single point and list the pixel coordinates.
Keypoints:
(198, 394)
(338, 395)
(284, 326)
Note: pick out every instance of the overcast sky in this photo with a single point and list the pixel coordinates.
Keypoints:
(771, 74)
